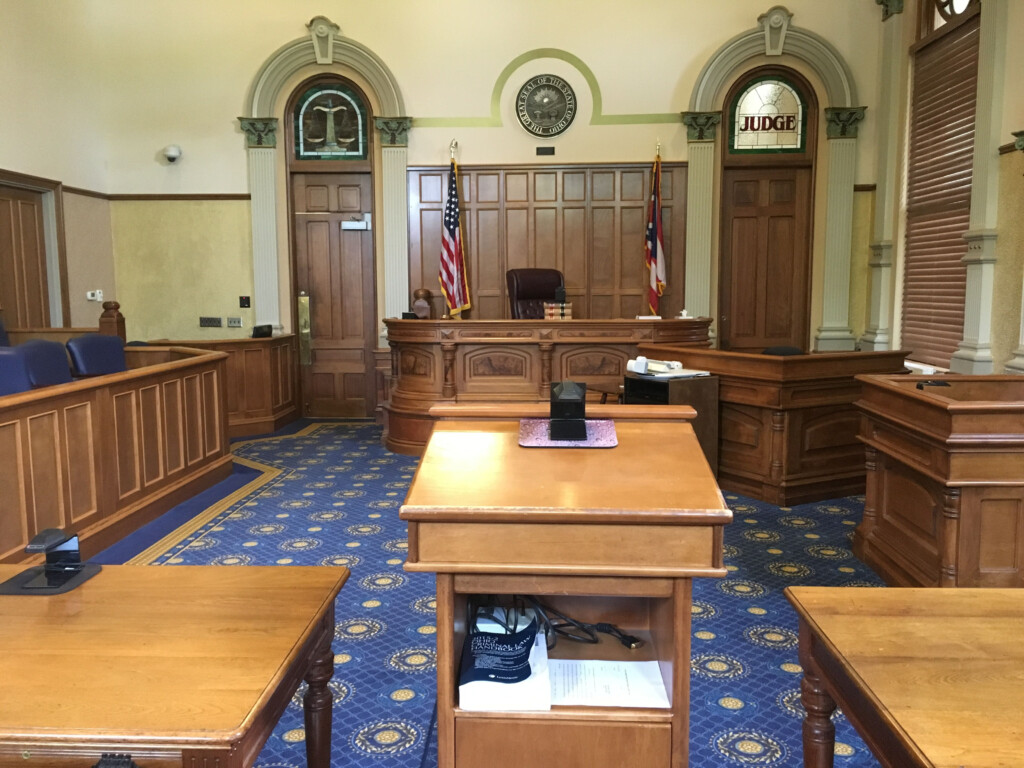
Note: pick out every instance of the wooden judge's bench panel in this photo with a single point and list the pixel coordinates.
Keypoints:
(466, 361)
(787, 424)
(102, 456)
(944, 504)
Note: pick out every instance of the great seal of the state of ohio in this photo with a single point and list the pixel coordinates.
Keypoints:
(546, 105)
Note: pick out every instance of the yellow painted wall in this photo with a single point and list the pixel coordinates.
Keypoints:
(90, 256)
(177, 260)
(1009, 269)
(860, 272)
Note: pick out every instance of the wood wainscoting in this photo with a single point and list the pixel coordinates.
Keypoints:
(588, 222)
(492, 361)
(101, 457)
(787, 424)
(261, 385)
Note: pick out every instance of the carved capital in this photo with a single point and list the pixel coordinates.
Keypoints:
(393, 131)
(841, 122)
(700, 126)
(260, 132)
(1018, 140)
(890, 7)
(323, 31)
(775, 24)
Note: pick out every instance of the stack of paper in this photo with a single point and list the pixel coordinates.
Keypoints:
(607, 683)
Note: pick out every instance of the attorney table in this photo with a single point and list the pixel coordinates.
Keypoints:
(174, 666)
(602, 534)
(930, 678)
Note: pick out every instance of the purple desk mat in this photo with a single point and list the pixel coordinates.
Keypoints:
(533, 433)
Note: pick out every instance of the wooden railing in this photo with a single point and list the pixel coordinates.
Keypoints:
(102, 456)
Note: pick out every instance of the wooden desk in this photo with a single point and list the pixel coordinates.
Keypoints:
(930, 678)
(604, 534)
(787, 424)
(944, 504)
(176, 666)
(701, 392)
(493, 361)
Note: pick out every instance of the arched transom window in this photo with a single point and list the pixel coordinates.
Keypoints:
(768, 116)
(330, 124)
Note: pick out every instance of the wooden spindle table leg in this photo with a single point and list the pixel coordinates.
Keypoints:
(318, 702)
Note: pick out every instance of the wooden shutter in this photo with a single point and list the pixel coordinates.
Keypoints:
(940, 162)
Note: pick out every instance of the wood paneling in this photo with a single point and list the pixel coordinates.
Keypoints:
(788, 425)
(587, 222)
(24, 292)
(260, 379)
(102, 456)
(446, 361)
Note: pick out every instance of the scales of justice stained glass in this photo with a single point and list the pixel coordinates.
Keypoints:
(768, 116)
(330, 124)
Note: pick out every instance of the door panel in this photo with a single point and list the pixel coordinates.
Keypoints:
(334, 266)
(765, 266)
(24, 293)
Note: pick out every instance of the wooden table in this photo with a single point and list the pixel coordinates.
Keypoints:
(176, 666)
(611, 535)
(929, 677)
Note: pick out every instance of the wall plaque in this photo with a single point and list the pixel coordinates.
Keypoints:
(546, 105)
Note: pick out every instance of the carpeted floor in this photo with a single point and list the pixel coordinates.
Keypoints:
(328, 493)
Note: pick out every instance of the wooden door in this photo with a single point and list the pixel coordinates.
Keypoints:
(334, 267)
(765, 267)
(24, 292)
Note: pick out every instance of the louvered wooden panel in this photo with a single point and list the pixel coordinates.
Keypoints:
(587, 221)
(939, 178)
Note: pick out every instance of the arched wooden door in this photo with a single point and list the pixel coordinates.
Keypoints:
(333, 252)
(767, 213)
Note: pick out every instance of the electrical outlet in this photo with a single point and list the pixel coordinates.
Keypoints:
(96, 295)
(210, 322)
(234, 322)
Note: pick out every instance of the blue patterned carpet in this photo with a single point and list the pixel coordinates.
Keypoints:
(328, 493)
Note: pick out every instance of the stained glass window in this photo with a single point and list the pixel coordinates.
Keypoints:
(330, 124)
(768, 116)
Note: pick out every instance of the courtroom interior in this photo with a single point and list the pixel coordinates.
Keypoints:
(290, 284)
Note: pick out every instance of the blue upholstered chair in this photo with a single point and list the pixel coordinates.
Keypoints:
(94, 354)
(33, 364)
(46, 362)
(13, 373)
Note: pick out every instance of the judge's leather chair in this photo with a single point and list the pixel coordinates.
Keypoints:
(95, 354)
(528, 289)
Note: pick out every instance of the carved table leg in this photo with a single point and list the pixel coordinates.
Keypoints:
(317, 704)
(819, 733)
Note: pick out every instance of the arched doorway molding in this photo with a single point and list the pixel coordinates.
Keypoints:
(775, 36)
(325, 47)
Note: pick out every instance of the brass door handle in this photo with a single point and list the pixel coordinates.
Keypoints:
(305, 332)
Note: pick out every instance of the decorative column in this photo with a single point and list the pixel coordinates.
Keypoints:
(261, 143)
(835, 333)
(1016, 365)
(878, 333)
(393, 224)
(700, 210)
(974, 355)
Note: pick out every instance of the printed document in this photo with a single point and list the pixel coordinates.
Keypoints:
(607, 683)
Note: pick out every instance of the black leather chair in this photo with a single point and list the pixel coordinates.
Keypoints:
(528, 289)
(4, 341)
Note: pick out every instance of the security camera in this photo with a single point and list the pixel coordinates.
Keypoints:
(172, 152)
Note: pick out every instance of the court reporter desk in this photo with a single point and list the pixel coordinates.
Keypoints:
(602, 534)
(491, 361)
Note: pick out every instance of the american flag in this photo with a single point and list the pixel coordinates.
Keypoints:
(654, 250)
(453, 262)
